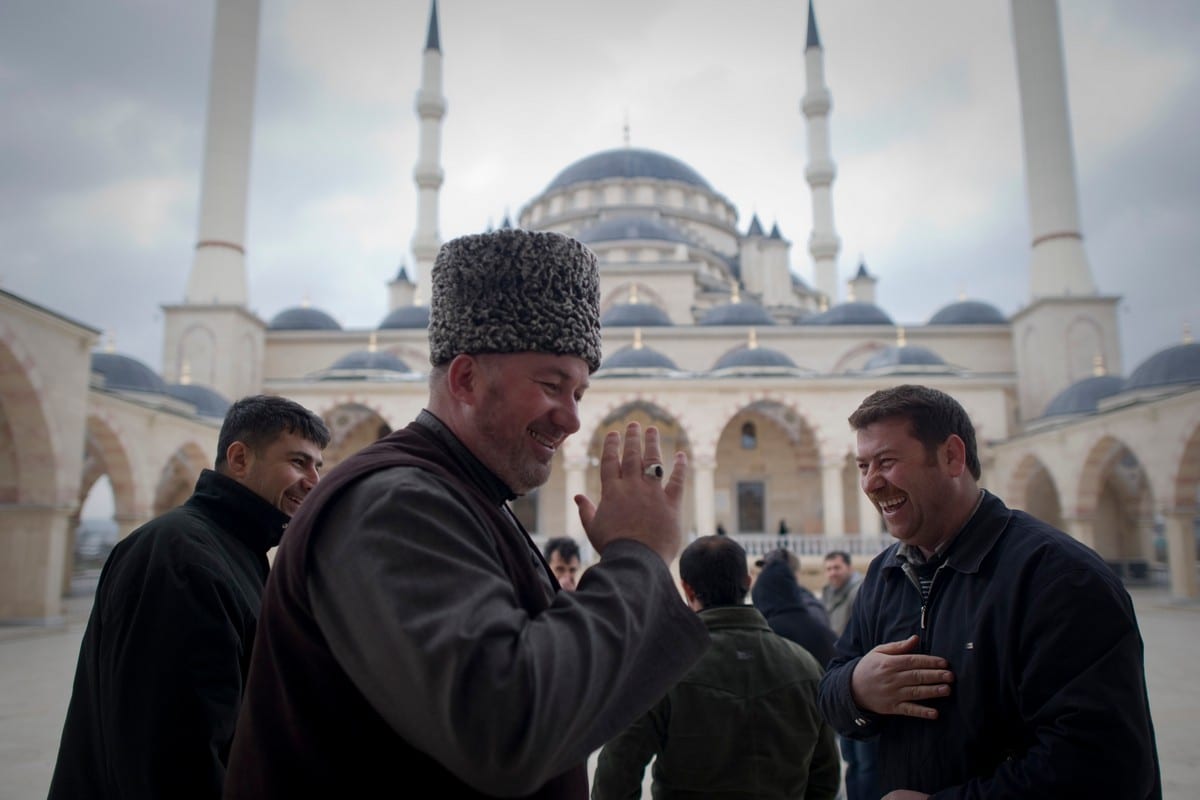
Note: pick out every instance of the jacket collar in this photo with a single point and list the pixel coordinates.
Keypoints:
(239, 511)
(720, 617)
(972, 544)
(495, 489)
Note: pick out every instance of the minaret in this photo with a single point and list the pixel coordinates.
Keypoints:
(1066, 323)
(431, 107)
(823, 244)
(1058, 265)
(219, 270)
(212, 336)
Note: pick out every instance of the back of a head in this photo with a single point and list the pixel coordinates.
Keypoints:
(933, 416)
(566, 547)
(258, 420)
(514, 291)
(715, 568)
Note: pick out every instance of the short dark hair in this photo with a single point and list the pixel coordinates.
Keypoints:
(839, 554)
(565, 546)
(257, 421)
(933, 416)
(715, 568)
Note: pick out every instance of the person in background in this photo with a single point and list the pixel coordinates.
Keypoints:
(164, 656)
(790, 608)
(412, 635)
(861, 755)
(743, 722)
(562, 554)
(992, 654)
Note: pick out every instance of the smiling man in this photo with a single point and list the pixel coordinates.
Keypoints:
(993, 655)
(412, 634)
(166, 649)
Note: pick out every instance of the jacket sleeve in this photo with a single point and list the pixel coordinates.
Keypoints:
(621, 765)
(825, 770)
(409, 590)
(1081, 696)
(175, 680)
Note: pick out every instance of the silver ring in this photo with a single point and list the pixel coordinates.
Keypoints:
(655, 471)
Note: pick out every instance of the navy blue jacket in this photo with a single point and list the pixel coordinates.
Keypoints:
(1049, 696)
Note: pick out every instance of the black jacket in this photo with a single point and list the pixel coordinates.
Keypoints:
(793, 611)
(1049, 694)
(166, 650)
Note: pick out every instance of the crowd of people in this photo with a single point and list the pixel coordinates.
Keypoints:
(410, 632)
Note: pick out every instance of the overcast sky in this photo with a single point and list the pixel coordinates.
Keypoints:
(101, 143)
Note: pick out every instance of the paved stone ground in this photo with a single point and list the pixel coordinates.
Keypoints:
(37, 667)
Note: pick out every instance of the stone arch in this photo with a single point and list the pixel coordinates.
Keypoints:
(772, 478)
(178, 477)
(1032, 488)
(1186, 486)
(352, 426)
(1116, 496)
(856, 357)
(106, 454)
(622, 292)
(197, 351)
(1085, 341)
(27, 462)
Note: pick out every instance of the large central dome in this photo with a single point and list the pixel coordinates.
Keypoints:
(627, 162)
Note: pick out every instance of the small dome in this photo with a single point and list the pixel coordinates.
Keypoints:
(635, 315)
(900, 357)
(208, 402)
(739, 313)
(752, 358)
(622, 228)
(406, 317)
(303, 318)
(852, 313)
(627, 162)
(123, 372)
(968, 312)
(1083, 397)
(634, 358)
(1175, 365)
(374, 360)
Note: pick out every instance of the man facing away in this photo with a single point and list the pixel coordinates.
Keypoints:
(790, 608)
(992, 654)
(164, 656)
(562, 554)
(412, 634)
(743, 722)
(861, 755)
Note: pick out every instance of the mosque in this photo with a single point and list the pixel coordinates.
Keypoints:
(708, 334)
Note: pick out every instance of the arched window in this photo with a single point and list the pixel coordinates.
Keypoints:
(749, 436)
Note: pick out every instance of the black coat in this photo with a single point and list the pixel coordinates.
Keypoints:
(793, 611)
(166, 650)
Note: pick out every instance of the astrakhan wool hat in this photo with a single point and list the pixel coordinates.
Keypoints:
(513, 291)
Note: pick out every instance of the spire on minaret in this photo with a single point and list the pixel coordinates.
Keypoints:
(625, 128)
(428, 175)
(1058, 265)
(218, 275)
(755, 227)
(823, 243)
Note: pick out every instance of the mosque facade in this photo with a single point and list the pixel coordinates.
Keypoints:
(708, 334)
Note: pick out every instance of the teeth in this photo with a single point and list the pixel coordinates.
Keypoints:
(890, 505)
(542, 440)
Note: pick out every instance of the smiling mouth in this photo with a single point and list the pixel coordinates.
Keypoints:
(293, 499)
(890, 505)
(544, 441)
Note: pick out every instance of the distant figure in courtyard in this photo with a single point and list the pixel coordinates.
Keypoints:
(791, 609)
(744, 721)
(164, 657)
(562, 554)
(993, 655)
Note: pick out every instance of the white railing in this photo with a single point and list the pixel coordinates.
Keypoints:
(803, 545)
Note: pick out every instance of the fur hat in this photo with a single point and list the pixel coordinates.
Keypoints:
(514, 291)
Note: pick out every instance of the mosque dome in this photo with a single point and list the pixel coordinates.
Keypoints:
(854, 312)
(635, 315)
(369, 360)
(1173, 366)
(626, 227)
(627, 162)
(1083, 397)
(636, 358)
(406, 317)
(737, 312)
(303, 318)
(968, 312)
(905, 358)
(746, 358)
(123, 372)
(208, 402)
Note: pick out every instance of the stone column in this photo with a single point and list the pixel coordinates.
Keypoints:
(704, 485)
(831, 494)
(576, 483)
(33, 539)
(868, 515)
(1081, 529)
(1181, 554)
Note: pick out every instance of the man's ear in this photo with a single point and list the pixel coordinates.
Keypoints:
(238, 458)
(464, 378)
(954, 455)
